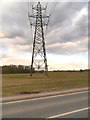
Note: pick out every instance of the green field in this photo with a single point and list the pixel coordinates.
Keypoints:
(17, 83)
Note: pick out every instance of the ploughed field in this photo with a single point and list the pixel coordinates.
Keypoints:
(23, 83)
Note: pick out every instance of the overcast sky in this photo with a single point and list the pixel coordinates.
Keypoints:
(66, 37)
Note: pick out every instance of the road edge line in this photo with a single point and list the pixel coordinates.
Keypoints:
(43, 97)
(67, 113)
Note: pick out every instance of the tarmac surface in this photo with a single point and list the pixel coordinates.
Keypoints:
(71, 105)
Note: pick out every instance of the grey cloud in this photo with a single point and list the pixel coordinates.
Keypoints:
(13, 34)
(15, 22)
(80, 31)
(67, 50)
(65, 12)
(74, 33)
(3, 54)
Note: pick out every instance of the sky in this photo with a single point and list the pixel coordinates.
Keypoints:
(66, 37)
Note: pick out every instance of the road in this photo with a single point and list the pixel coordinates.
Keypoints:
(72, 105)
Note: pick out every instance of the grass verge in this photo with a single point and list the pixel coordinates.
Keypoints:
(17, 83)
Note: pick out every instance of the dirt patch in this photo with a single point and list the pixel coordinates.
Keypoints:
(35, 92)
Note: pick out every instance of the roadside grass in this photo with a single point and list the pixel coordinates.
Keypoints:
(17, 83)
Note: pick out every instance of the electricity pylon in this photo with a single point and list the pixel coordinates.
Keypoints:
(39, 59)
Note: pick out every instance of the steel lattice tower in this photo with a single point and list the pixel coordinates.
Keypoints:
(39, 59)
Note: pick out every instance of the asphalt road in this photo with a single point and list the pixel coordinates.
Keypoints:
(73, 105)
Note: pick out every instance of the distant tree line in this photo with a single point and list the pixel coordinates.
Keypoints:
(71, 70)
(14, 69)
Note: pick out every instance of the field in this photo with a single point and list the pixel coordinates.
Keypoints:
(18, 83)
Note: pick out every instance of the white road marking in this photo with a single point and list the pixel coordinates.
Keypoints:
(42, 98)
(63, 114)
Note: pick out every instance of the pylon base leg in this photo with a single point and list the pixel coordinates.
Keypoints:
(30, 74)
